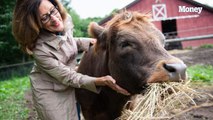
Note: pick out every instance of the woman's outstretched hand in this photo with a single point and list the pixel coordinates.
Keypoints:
(110, 82)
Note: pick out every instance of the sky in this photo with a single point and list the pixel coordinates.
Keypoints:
(101, 8)
(97, 8)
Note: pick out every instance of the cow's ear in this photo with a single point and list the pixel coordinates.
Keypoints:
(98, 32)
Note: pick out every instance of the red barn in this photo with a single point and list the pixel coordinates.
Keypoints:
(178, 20)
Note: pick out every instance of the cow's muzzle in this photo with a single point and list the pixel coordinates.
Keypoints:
(176, 71)
(173, 70)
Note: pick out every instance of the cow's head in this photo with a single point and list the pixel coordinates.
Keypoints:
(136, 54)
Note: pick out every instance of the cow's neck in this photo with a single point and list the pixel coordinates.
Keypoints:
(116, 101)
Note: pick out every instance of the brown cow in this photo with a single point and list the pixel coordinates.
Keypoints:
(131, 50)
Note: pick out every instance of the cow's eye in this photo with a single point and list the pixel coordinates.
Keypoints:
(125, 44)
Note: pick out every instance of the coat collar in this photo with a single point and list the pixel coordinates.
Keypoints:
(52, 39)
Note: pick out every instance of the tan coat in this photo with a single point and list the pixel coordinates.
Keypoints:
(54, 78)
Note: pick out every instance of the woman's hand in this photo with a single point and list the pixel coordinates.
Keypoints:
(110, 82)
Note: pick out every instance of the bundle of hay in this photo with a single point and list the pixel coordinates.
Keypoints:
(165, 101)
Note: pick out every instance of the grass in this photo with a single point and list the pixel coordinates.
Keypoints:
(202, 73)
(207, 46)
(12, 99)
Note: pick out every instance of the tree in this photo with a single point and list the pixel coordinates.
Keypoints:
(81, 25)
(9, 49)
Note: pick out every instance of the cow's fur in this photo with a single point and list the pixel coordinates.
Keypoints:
(131, 50)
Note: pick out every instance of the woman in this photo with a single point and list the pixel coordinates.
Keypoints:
(44, 30)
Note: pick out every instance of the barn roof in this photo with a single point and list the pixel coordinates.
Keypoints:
(206, 7)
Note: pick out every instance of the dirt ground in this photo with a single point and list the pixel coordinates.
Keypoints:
(195, 56)
(190, 57)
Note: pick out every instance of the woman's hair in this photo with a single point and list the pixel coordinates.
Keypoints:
(26, 24)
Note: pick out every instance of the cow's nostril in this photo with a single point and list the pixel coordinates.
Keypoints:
(177, 71)
(169, 67)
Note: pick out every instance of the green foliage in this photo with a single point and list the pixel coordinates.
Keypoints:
(207, 46)
(201, 73)
(12, 103)
(81, 25)
(9, 49)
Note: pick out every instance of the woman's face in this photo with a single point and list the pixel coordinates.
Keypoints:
(50, 17)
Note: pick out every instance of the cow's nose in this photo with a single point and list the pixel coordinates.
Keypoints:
(177, 71)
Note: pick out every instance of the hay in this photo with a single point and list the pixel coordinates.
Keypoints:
(165, 101)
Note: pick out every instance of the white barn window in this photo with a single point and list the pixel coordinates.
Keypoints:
(159, 12)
